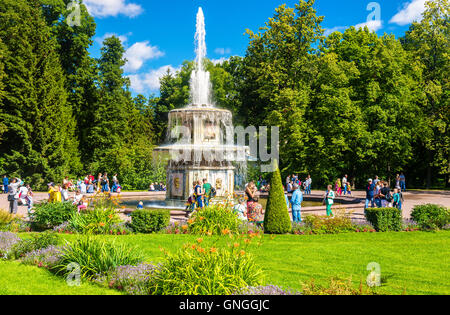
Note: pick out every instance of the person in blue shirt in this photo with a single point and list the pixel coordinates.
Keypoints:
(370, 194)
(296, 201)
(5, 184)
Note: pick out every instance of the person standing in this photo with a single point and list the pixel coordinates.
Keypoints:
(329, 200)
(199, 194)
(385, 194)
(309, 184)
(207, 191)
(13, 195)
(370, 194)
(402, 182)
(345, 184)
(5, 184)
(296, 201)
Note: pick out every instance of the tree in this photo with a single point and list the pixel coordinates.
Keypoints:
(39, 144)
(278, 68)
(428, 41)
(276, 219)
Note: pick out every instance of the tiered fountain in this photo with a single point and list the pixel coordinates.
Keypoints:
(200, 136)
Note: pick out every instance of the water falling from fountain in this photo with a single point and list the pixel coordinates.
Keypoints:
(200, 81)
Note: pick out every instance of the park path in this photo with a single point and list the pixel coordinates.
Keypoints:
(412, 199)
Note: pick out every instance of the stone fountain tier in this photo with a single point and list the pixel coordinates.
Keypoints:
(201, 146)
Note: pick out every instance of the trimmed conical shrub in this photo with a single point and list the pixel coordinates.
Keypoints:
(277, 220)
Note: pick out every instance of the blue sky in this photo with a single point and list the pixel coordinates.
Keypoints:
(160, 34)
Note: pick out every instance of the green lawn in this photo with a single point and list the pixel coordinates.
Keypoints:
(417, 262)
(19, 279)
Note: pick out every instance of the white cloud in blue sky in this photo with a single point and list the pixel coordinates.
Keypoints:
(150, 81)
(411, 11)
(223, 51)
(105, 8)
(139, 53)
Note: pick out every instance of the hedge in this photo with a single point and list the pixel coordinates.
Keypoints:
(149, 221)
(385, 219)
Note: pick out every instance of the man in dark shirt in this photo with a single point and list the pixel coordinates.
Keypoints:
(370, 194)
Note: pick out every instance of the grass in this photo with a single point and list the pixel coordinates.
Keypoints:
(19, 279)
(411, 263)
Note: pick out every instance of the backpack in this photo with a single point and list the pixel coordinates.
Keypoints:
(389, 197)
(213, 192)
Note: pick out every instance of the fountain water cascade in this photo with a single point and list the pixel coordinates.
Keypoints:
(201, 136)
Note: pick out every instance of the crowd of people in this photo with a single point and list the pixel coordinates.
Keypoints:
(379, 194)
(18, 192)
(201, 194)
(157, 187)
(294, 180)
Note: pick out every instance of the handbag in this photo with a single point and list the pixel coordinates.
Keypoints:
(11, 197)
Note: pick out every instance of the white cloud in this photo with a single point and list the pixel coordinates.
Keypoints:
(374, 25)
(139, 53)
(329, 31)
(411, 11)
(222, 51)
(104, 8)
(123, 38)
(219, 61)
(149, 82)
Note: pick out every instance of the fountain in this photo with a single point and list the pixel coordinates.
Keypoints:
(200, 136)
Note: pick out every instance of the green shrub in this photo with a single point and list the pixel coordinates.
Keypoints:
(328, 225)
(385, 219)
(10, 222)
(216, 219)
(195, 270)
(96, 257)
(277, 220)
(149, 221)
(49, 215)
(431, 217)
(37, 242)
(96, 221)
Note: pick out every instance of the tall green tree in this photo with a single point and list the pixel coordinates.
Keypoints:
(39, 144)
(279, 67)
(429, 43)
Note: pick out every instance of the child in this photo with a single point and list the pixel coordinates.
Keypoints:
(397, 199)
(241, 209)
(140, 205)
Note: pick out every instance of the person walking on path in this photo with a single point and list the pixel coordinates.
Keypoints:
(5, 184)
(345, 184)
(13, 195)
(296, 201)
(329, 200)
(370, 194)
(385, 194)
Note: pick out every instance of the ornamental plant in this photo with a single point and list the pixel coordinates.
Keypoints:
(48, 215)
(431, 217)
(96, 257)
(277, 219)
(96, 221)
(217, 219)
(203, 270)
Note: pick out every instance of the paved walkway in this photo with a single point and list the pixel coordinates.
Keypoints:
(411, 199)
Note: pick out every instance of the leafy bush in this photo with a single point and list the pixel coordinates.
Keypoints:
(49, 215)
(131, 279)
(431, 217)
(277, 220)
(37, 242)
(7, 242)
(195, 270)
(149, 221)
(216, 219)
(96, 221)
(328, 225)
(385, 219)
(6, 219)
(96, 257)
